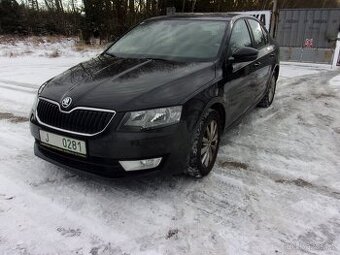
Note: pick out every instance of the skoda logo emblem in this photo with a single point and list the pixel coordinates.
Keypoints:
(66, 102)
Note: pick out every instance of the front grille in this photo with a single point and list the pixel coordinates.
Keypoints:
(80, 120)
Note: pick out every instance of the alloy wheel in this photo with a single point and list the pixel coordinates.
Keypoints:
(209, 143)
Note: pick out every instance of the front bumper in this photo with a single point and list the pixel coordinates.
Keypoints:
(104, 151)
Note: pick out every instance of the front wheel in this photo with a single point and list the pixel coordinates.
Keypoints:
(268, 98)
(205, 145)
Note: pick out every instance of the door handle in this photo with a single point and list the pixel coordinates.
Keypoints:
(257, 64)
(272, 55)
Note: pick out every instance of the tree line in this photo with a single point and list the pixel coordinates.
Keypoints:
(111, 18)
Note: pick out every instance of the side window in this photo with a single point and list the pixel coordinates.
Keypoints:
(240, 36)
(259, 38)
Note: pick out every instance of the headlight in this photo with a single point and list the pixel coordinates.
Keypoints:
(152, 118)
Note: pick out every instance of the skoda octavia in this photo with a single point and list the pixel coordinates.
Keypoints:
(157, 99)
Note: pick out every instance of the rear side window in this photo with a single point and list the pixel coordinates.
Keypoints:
(240, 36)
(259, 38)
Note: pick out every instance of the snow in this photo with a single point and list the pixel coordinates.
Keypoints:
(295, 69)
(275, 188)
(44, 46)
(335, 82)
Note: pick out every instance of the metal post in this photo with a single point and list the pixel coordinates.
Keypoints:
(274, 18)
(336, 56)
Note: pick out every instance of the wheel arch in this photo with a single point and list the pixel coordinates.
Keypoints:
(276, 71)
(210, 98)
(219, 107)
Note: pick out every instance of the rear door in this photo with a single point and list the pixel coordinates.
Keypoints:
(262, 66)
(239, 84)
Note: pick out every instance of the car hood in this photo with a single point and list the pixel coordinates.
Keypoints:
(124, 84)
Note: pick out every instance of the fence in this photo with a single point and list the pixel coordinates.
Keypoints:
(308, 35)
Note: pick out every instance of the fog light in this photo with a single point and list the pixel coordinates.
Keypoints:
(144, 164)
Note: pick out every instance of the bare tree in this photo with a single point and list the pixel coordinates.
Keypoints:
(193, 5)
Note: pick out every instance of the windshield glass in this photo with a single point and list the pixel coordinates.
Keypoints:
(172, 39)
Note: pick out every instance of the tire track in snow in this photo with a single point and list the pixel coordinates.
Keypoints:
(12, 118)
(19, 84)
(256, 134)
(18, 88)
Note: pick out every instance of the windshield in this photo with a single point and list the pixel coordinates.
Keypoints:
(172, 39)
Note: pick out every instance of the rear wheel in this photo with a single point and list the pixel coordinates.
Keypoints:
(205, 145)
(268, 98)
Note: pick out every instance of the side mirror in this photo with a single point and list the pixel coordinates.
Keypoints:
(245, 54)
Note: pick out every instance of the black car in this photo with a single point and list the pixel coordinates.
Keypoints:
(159, 98)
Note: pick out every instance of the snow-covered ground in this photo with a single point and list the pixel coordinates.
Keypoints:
(275, 188)
(44, 46)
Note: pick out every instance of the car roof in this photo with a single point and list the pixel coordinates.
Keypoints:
(221, 16)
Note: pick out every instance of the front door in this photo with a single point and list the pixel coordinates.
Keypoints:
(240, 81)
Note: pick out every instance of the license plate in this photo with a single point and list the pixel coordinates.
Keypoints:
(64, 143)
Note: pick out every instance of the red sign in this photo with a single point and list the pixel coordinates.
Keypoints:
(309, 43)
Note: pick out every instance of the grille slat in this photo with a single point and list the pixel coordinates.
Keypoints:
(83, 121)
(101, 118)
(88, 120)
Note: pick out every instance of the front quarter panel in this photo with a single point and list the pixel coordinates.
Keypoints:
(195, 107)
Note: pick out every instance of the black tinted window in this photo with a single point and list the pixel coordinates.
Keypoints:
(259, 38)
(239, 36)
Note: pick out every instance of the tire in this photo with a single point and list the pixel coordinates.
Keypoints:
(268, 98)
(201, 163)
